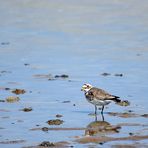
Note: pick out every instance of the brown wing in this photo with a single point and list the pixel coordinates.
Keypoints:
(102, 95)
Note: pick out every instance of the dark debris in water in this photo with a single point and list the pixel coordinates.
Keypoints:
(5, 43)
(59, 116)
(7, 88)
(26, 64)
(5, 71)
(26, 109)
(131, 134)
(66, 101)
(47, 144)
(2, 100)
(61, 76)
(55, 122)
(118, 75)
(105, 74)
(145, 115)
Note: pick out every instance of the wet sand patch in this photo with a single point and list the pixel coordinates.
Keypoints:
(101, 127)
(43, 76)
(93, 139)
(127, 115)
(134, 145)
(12, 142)
(58, 129)
(4, 110)
(18, 91)
(51, 77)
(12, 99)
(55, 122)
(61, 144)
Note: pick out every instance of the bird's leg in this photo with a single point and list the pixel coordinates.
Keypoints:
(96, 117)
(95, 110)
(102, 117)
(102, 109)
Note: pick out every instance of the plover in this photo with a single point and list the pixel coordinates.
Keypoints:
(99, 97)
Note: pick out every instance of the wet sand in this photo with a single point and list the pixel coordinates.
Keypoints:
(49, 49)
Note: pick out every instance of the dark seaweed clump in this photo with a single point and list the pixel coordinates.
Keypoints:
(46, 144)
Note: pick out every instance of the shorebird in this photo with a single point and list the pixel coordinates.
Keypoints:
(99, 97)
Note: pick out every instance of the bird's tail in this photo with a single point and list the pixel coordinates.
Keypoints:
(116, 99)
(121, 102)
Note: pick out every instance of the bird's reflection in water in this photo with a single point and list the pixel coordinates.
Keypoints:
(101, 128)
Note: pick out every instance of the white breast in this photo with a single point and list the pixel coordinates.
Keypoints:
(99, 102)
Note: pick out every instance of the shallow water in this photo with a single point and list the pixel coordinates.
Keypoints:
(82, 39)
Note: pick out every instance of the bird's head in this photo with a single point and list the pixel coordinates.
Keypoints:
(86, 87)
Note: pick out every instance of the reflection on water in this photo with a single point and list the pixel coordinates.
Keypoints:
(100, 128)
